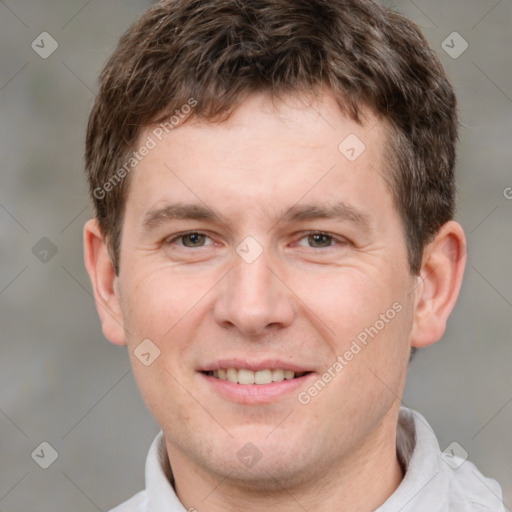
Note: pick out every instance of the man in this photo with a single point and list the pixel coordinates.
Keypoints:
(274, 191)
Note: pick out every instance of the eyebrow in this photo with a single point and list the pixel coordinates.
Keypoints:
(337, 211)
(177, 211)
(183, 211)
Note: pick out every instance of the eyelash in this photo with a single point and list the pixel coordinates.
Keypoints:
(339, 241)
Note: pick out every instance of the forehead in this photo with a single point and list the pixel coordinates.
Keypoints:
(267, 156)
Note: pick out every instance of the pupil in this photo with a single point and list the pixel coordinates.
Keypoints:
(194, 238)
(317, 239)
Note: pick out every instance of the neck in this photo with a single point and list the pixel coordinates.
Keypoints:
(361, 482)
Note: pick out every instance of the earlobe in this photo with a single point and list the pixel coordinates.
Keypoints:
(441, 275)
(104, 283)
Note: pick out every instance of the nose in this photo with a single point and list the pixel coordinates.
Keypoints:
(253, 298)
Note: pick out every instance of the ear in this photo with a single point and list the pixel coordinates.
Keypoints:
(104, 282)
(440, 280)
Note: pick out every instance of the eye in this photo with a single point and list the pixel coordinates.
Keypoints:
(320, 240)
(190, 240)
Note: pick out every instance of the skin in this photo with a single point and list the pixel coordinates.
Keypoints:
(303, 300)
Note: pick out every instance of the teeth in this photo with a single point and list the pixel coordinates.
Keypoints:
(277, 375)
(244, 376)
(232, 375)
(263, 377)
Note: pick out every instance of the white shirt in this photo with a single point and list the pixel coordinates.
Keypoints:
(433, 482)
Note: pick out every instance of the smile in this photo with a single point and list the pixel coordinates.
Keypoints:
(245, 376)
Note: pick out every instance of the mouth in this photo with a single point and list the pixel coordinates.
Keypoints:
(245, 376)
(253, 383)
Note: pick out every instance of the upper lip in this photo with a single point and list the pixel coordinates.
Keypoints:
(266, 364)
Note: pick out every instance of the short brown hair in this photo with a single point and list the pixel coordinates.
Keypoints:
(219, 51)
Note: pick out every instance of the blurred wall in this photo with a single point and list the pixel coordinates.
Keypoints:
(62, 383)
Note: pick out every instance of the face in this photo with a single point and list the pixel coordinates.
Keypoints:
(262, 251)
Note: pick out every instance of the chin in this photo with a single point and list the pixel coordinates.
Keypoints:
(260, 463)
(271, 475)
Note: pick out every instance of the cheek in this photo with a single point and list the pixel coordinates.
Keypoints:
(370, 325)
(160, 306)
(165, 394)
(348, 301)
(160, 299)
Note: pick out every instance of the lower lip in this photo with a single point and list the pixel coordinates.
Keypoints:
(256, 393)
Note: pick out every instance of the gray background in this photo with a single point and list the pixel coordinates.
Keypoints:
(63, 383)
